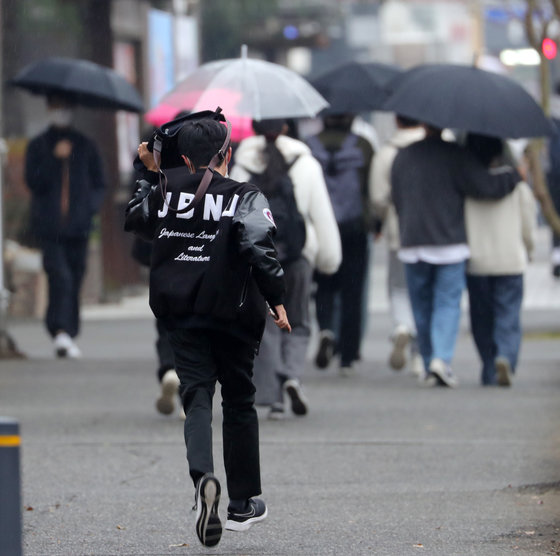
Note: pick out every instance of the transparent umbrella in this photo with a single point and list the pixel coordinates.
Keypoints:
(263, 90)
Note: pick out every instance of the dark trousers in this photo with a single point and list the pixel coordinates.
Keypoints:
(348, 284)
(203, 357)
(164, 350)
(495, 308)
(64, 261)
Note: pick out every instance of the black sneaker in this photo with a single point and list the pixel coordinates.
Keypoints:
(326, 349)
(208, 524)
(242, 521)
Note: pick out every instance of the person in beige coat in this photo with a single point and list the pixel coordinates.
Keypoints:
(281, 359)
(403, 336)
(500, 235)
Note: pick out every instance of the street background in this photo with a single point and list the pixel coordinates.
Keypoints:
(379, 466)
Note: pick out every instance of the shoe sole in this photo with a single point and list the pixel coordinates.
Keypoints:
(299, 407)
(232, 525)
(397, 360)
(208, 524)
(503, 373)
(62, 352)
(165, 403)
(325, 353)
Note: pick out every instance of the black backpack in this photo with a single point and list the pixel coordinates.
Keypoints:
(290, 224)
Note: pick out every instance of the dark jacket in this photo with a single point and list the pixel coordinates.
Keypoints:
(213, 267)
(430, 180)
(43, 174)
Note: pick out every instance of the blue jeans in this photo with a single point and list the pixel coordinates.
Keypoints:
(495, 307)
(435, 295)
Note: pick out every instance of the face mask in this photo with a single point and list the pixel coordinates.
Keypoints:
(60, 117)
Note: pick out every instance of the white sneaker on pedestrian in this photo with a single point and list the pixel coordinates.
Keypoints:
(417, 366)
(300, 404)
(276, 412)
(443, 373)
(347, 371)
(165, 404)
(401, 338)
(65, 347)
(503, 371)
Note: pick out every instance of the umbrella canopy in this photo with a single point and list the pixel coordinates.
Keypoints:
(468, 98)
(265, 90)
(355, 87)
(241, 127)
(80, 81)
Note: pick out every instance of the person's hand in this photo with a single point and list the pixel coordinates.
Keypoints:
(281, 318)
(147, 157)
(63, 149)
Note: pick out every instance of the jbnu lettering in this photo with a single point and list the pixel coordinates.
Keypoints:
(212, 206)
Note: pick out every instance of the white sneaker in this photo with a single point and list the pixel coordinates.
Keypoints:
(401, 337)
(417, 366)
(443, 373)
(74, 352)
(347, 371)
(165, 404)
(300, 404)
(62, 344)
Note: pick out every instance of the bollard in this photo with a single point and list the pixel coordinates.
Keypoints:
(10, 505)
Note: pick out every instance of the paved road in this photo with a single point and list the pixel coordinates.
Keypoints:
(380, 466)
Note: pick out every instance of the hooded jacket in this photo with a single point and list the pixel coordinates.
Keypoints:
(214, 266)
(322, 246)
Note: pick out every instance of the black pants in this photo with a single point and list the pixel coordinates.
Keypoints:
(203, 357)
(64, 261)
(348, 284)
(164, 350)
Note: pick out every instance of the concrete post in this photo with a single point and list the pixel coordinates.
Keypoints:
(10, 503)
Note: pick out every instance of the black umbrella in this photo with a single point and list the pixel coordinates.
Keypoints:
(468, 98)
(355, 87)
(80, 81)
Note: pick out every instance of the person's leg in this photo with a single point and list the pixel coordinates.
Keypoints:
(76, 251)
(353, 273)
(404, 330)
(197, 371)
(325, 297)
(59, 279)
(508, 296)
(482, 323)
(294, 345)
(448, 287)
(166, 360)
(240, 429)
(419, 279)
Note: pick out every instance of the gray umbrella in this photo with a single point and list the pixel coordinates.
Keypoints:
(80, 81)
(468, 98)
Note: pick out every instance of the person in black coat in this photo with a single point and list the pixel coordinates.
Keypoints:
(64, 173)
(213, 270)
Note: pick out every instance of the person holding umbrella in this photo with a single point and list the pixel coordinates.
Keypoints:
(501, 238)
(430, 180)
(64, 173)
(282, 166)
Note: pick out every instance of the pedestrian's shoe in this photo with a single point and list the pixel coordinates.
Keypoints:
(401, 338)
(169, 388)
(64, 346)
(347, 371)
(326, 349)
(443, 373)
(255, 511)
(208, 524)
(297, 397)
(417, 366)
(276, 412)
(503, 371)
